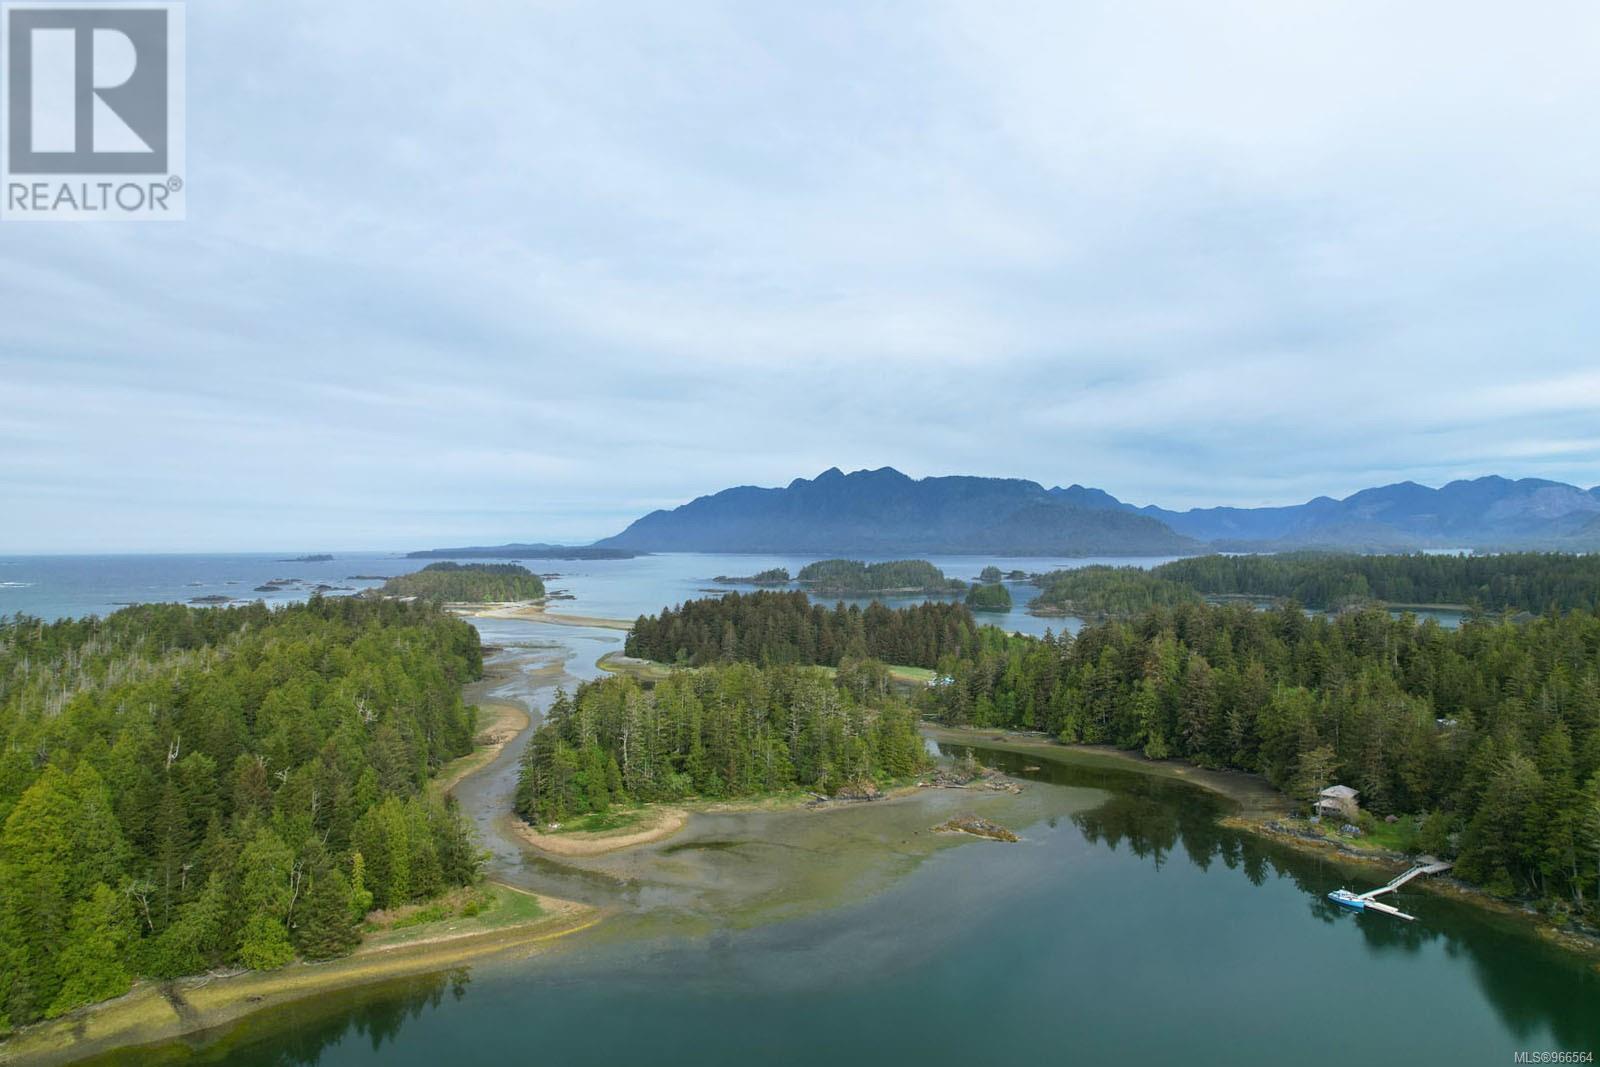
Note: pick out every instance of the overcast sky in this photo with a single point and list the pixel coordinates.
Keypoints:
(474, 272)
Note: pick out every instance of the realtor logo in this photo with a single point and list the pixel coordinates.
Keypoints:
(94, 110)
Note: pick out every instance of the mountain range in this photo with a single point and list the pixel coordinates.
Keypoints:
(884, 511)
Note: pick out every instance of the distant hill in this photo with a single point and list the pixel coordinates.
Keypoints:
(1489, 512)
(522, 552)
(884, 511)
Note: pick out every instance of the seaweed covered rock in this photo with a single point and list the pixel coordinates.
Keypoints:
(977, 826)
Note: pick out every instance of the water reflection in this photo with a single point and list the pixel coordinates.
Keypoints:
(301, 1033)
(1533, 987)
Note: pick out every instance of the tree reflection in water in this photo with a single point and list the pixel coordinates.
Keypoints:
(1531, 985)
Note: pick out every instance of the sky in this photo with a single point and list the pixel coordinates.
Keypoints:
(485, 271)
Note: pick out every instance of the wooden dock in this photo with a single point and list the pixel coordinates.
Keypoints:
(1421, 866)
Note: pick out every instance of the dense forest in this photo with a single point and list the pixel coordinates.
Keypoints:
(851, 577)
(727, 731)
(770, 628)
(770, 576)
(186, 788)
(1492, 731)
(468, 583)
(1100, 592)
(1525, 581)
(994, 597)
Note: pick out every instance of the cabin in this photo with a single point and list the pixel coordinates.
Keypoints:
(1338, 800)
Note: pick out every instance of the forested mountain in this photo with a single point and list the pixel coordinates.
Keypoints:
(1493, 729)
(727, 731)
(467, 583)
(1490, 512)
(885, 512)
(786, 628)
(186, 788)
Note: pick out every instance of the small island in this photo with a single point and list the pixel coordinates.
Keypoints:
(771, 576)
(989, 598)
(320, 558)
(850, 577)
(1102, 592)
(467, 583)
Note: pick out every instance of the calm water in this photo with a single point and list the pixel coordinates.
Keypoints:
(58, 586)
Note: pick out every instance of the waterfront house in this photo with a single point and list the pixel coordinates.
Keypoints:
(1338, 800)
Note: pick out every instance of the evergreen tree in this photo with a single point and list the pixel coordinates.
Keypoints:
(93, 958)
(326, 926)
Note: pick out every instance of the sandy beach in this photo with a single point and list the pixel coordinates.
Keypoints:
(656, 824)
(534, 611)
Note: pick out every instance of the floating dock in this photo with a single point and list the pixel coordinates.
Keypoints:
(1369, 901)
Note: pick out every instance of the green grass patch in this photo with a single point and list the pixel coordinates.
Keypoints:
(597, 822)
(428, 913)
(484, 907)
(1398, 836)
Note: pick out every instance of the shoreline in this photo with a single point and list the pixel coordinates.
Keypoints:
(507, 723)
(534, 611)
(663, 822)
(1387, 863)
(1261, 806)
(1249, 791)
(154, 1011)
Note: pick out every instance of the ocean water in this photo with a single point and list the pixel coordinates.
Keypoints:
(54, 587)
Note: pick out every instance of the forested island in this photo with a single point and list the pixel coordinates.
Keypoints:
(467, 583)
(183, 789)
(1530, 581)
(994, 597)
(1101, 592)
(1522, 581)
(727, 731)
(770, 627)
(851, 577)
(771, 576)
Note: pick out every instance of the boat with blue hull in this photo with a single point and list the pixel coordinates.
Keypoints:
(1369, 901)
(1346, 899)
